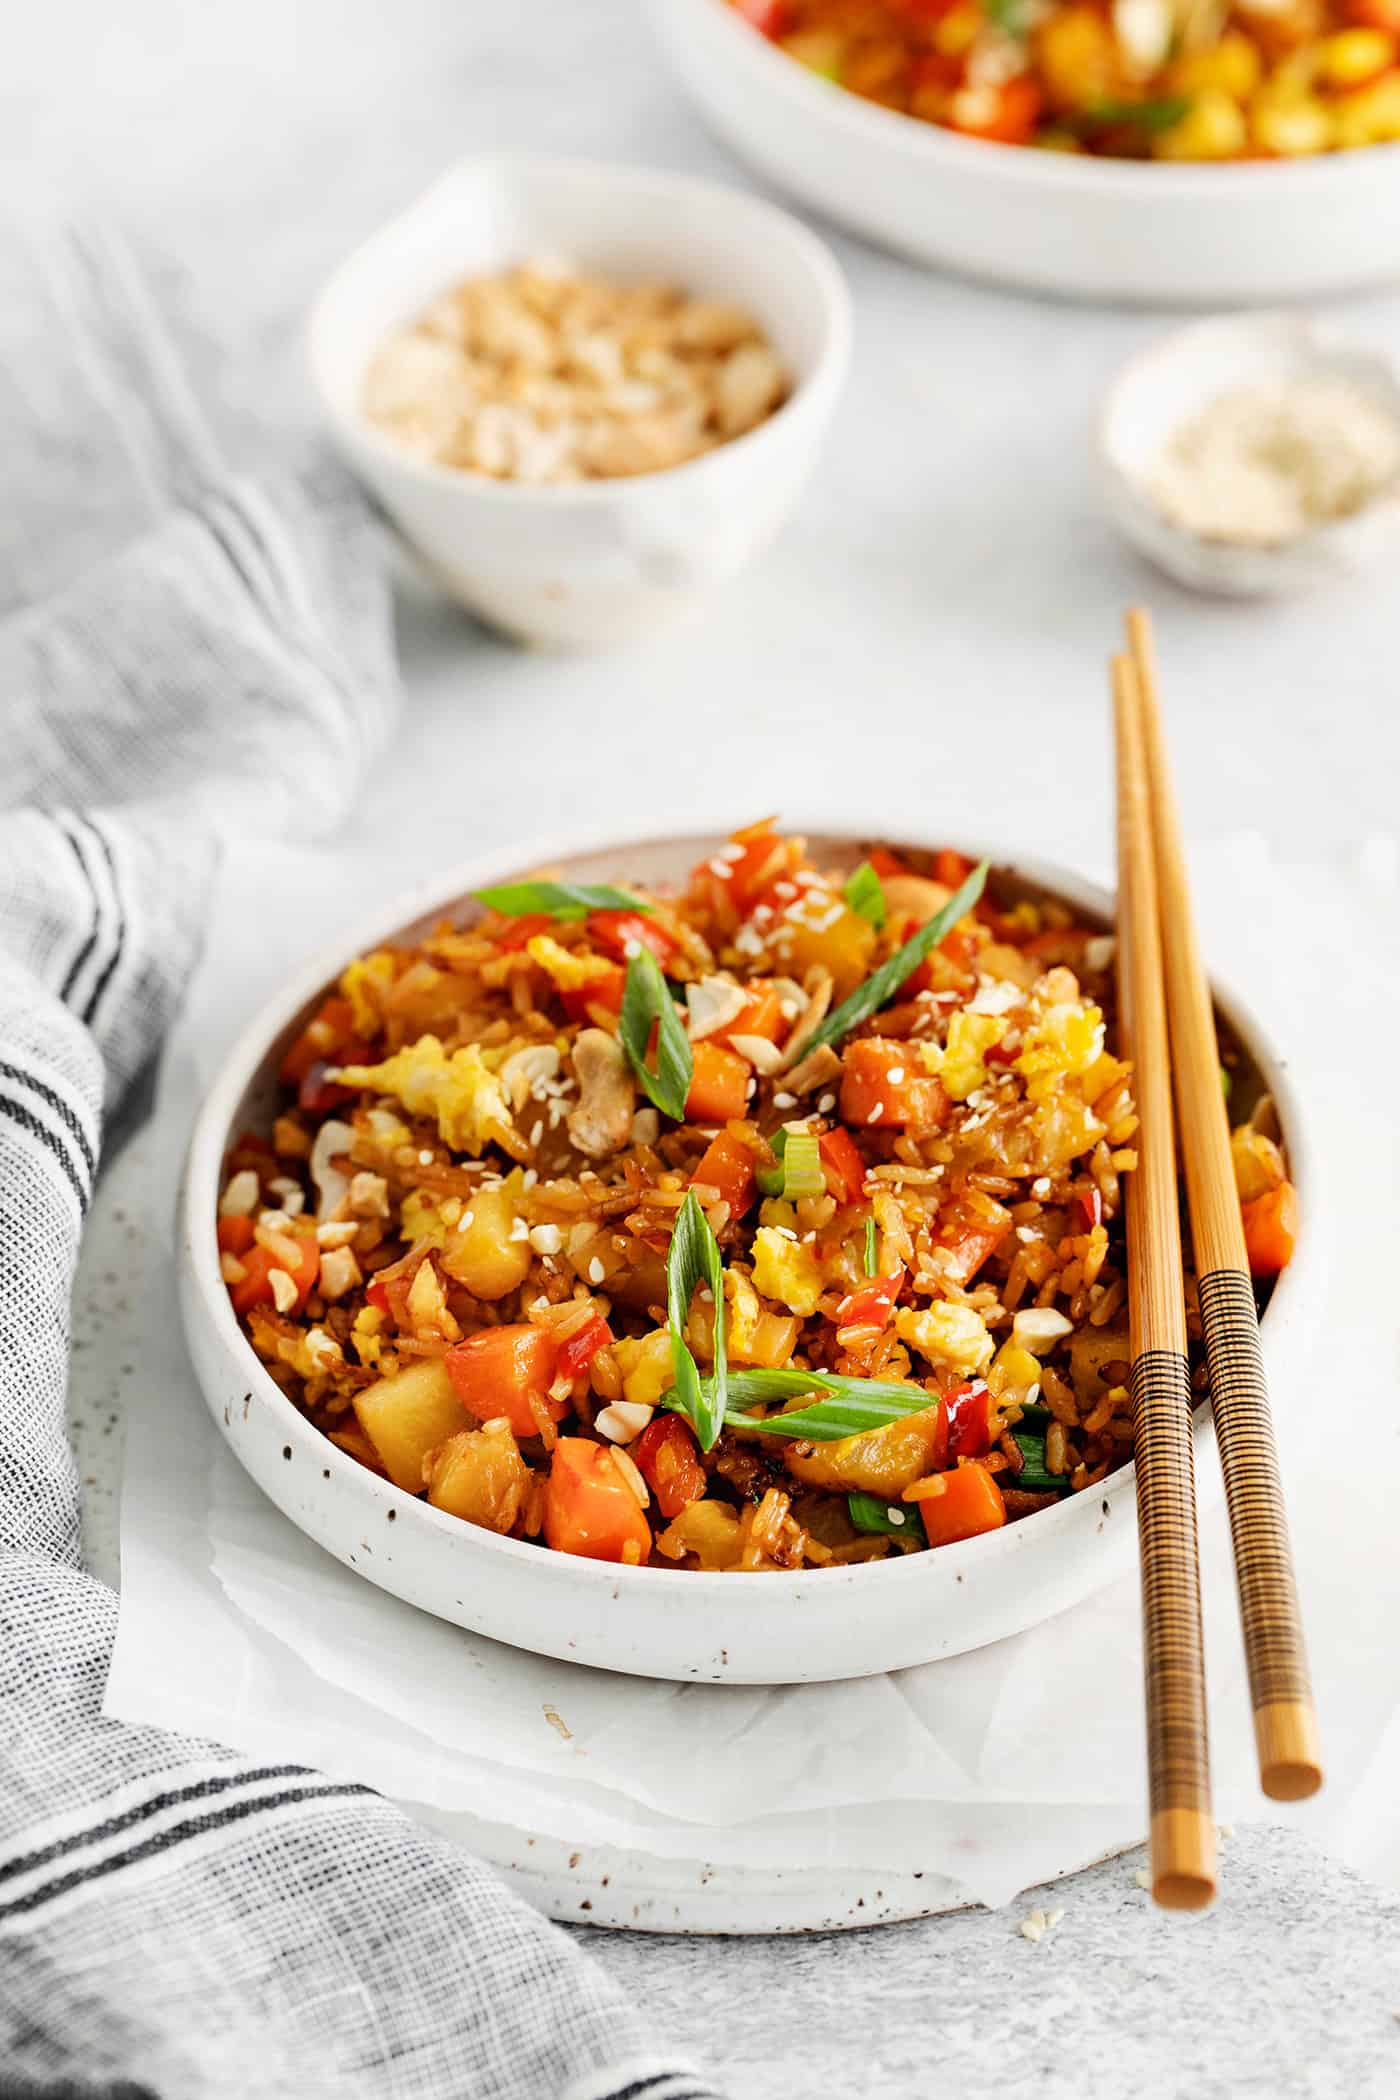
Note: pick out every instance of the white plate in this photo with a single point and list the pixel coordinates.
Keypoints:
(1056, 222)
(747, 1629)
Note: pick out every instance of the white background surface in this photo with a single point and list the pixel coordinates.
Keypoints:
(936, 616)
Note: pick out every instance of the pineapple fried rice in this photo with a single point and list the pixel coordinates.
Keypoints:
(768, 1225)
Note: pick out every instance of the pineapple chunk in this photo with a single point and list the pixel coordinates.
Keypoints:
(479, 1475)
(407, 1416)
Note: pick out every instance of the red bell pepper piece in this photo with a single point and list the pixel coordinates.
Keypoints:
(319, 1041)
(605, 991)
(968, 1407)
(316, 1093)
(873, 1303)
(668, 1458)
(578, 1352)
(377, 1295)
(616, 933)
(1090, 1209)
(844, 1166)
(523, 930)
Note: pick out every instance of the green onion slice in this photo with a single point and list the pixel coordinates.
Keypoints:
(897, 1520)
(844, 1405)
(772, 1180)
(562, 900)
(882, 984)
(1033, 1475)
(865, 895)
(870, 1253)
(802, 1166)
(647, 1003)
(694, 1254)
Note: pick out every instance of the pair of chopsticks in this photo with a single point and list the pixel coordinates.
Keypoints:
(1168, 1031)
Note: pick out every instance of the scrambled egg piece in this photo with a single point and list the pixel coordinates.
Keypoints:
(952, 1335)
(568, 969)
(362, 984)
(961, 1064)
(365, 1337)
(786, 1270)
(1065, 1042)
(467, 1100)
(1013, 1373)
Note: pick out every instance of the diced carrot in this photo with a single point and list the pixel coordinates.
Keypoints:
(763, 1014)
(605, 991)
(719, 1085)
(318, 1041)
(255, 1285)
(769, 17)
(1006, 114)
(507, 1371)
(882, 1082)
(589, 1509)
(235, 1235)
(668, 1458)
(950, 868)
(886, 863)
(1271, 1229)
(578, 1352)
(616, 932)
(728, 1165)
(845, 1169)
(970, 1503)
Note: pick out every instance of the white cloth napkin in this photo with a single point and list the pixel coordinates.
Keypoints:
(986, 1772)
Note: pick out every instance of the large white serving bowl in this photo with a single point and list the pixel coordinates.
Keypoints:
(1054, 222)
(588, 563)
(657, 1622)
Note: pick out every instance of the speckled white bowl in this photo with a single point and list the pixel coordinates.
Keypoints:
(1171, 382)
(748, 1629)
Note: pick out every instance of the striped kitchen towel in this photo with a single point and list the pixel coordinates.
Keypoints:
(175, 1920)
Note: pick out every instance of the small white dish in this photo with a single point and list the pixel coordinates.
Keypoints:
(1169, 383)
(658, 1622)
(602, 561)
(1242, 232)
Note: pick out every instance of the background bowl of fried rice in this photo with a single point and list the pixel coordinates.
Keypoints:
(770, 1628)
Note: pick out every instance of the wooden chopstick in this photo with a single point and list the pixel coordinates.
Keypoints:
(1182, 1826)
(1285, 1721)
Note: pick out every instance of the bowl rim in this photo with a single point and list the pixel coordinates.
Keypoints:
(201, 1183)
(1196, 182)
(812, 390)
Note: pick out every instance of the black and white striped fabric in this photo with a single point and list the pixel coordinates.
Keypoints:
(176, 1921)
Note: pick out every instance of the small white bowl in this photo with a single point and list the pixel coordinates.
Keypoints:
(658, 1622)
(1169, 383)
(1241, 232)
(601, 561)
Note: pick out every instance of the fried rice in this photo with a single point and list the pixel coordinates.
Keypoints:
(483, 1244)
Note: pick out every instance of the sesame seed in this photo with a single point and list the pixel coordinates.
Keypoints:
(785, 1101)
(596, 1271)
(529, 1177)
(722, 869)
(895, 1075)
(826, 1104)
(876, 1112)
(631, 947)
(896, 1517)
(425, 1159)
(1040, 1187)
(751, 1089)
(467, 1218)
(546, 1239)
(538, 1132)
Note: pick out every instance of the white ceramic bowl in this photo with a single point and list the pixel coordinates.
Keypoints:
(750, 1629)
(1055, 222)
(601, 561)
(1170, 382)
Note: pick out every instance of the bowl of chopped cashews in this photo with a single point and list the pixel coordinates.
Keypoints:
(584, 393)
(393, 1400)
(1242, 159)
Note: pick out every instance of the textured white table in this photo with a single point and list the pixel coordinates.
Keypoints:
(948, 572)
